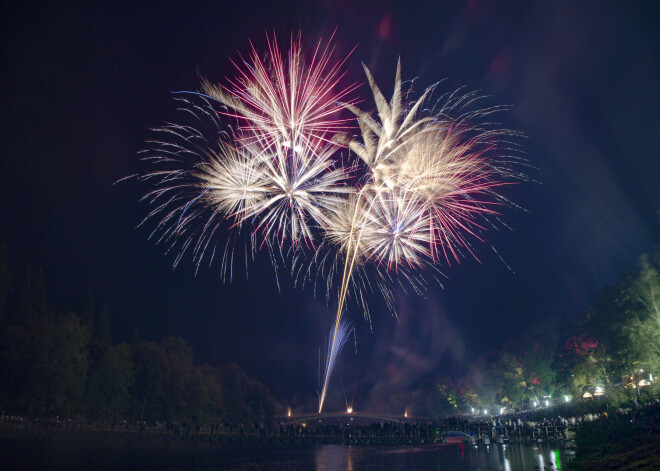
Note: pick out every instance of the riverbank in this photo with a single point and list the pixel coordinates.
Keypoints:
(343, 432)
(620, 441)
(593, 432)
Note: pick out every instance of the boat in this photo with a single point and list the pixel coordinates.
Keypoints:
(455, 437)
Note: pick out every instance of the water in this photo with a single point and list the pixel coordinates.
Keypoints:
(101, 453)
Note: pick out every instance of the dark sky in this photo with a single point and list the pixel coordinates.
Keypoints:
(82, 85)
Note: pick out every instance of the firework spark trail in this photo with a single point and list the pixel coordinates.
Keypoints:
(428, 182)
(337, 343)
(340, 334)
(423, 185)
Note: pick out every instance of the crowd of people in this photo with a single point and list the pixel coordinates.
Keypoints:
(513, 426)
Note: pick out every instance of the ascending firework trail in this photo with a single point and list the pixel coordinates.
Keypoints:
(262, 164)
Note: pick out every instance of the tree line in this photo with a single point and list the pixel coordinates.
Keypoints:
(67, 364)
(611, 349)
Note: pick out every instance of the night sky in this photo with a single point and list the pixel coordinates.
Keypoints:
(82, 86)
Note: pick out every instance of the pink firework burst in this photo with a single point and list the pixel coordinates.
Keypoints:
(287, 100)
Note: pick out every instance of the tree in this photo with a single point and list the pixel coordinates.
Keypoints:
(28, 335)
(108, 395)
(261, 402)
(234, 380)
(246, 399)
(511, 385)
(468, 397)
(576, 358)
(152, 371)
(643, 322)
(606, 322)
(68, 363)
(215, 405)
(102, 334)
(179, 359)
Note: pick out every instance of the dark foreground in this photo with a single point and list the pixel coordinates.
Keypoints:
(113, 453)
(628, 441)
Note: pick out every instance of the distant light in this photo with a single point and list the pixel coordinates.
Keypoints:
(536, 403)
(405, 414)
(288, 413)
(349, 410)
(599, 391)
(547, 403)
(473, 410)
(486, 411)
(641, 371)
(587, 394)
(502, 410)
(566, 399)
(651, 377)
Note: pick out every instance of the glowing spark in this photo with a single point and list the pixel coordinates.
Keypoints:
(423, 188)
(286, 101)
(430, 182)
(340, 334)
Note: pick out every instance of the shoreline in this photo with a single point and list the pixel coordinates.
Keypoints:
(374, 435)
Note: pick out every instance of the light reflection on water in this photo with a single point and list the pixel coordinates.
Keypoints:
(332, 457)
(507, 464)
(102, 453)
(445, 457)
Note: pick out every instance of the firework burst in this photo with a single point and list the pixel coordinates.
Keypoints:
(432, 182)
(289, 102)
(263, 159)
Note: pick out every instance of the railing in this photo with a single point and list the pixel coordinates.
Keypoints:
(377, 416)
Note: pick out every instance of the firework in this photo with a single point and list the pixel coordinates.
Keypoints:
(286, 115)
(183, 155)
(339, 336)
(273, 176)
(431, 183)
(262, 163)
(288, 102)
(285, 190)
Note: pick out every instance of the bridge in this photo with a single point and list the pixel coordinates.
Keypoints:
(299, 418)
